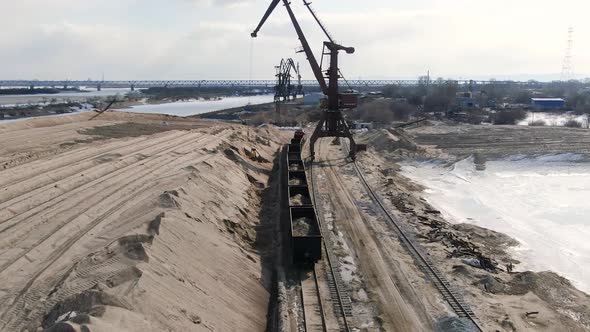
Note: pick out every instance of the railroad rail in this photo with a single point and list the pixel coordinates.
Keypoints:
(340, 301)
(310, 289)
(450, 295)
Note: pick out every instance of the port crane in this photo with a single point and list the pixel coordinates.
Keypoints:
(332, 123)
(284, 90)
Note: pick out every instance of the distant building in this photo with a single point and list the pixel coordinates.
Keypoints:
(548, 103)
(465, 100)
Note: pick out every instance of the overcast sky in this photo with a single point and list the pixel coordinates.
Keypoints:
(209, 39)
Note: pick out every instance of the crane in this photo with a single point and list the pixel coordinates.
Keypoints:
(332, 123)
(284, 89)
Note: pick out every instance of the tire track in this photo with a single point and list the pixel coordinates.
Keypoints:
(79, 154)
(26, 295)
(70, 167)
(137, 177)
(108, 177)
(157, 161)
(23, 299)
(11, 204)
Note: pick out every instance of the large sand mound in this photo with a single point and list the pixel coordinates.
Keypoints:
(147, 233)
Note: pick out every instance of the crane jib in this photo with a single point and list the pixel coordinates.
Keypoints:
(269, 11)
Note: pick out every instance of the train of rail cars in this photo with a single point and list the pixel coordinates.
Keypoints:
(304, 236)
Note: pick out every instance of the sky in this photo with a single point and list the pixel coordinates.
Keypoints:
(210, 39)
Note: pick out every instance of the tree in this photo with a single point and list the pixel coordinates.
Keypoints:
(378, 110)
(509, 117)
(391, 91)
(402, 111)
(442, 96)
(523, 97)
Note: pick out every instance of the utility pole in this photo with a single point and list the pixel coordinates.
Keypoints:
(567, 66)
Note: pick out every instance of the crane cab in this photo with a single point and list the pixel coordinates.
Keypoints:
(348, 100)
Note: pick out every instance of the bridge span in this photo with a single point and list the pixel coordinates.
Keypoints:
(142, 84)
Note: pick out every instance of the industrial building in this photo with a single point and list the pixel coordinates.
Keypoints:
(548, 103)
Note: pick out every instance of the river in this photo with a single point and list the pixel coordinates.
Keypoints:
(60, 97)
(195, 107)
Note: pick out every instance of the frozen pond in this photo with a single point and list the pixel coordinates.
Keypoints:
(541, 202)
(200, 106)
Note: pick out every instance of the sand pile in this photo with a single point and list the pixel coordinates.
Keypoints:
(303, 226)
(299, 199)
(146, 233)
(388, 140)
(295, 182)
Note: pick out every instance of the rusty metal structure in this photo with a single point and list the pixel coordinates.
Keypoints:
(284, 89)
(332, 123)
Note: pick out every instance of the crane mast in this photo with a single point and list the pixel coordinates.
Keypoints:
(332, 123)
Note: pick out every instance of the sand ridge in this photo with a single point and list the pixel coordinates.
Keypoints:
(148, 232)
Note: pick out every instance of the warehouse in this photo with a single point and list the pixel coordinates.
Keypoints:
(548, 103)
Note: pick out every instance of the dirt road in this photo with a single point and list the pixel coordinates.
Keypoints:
(131, 222)
(404, 300)
(502, 300)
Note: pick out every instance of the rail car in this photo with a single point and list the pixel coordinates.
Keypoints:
(299, 196)
(306, 239)
(304, 236)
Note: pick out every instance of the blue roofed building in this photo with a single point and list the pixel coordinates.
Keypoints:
(546, 104)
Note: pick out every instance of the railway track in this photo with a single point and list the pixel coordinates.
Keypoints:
(453, 297)
(339, 299)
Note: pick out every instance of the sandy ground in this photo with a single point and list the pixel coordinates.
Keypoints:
(518, 301)
(387, 289)
(131, 222)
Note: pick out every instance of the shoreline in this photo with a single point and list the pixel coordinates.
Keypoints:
(125, 106)
(474, 257)
(520, 250)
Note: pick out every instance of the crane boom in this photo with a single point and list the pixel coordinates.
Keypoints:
(315, 16)
(269, 11)
(315, 67)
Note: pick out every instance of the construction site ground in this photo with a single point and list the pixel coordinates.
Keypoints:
(133, 222)
(502, 301)
(388, 291)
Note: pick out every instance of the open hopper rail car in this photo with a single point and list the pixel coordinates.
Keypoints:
(305, 239)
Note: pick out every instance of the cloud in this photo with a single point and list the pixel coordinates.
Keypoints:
(221, 3)
(199, 39)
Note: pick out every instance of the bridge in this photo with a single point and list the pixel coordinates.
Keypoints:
(142, 84)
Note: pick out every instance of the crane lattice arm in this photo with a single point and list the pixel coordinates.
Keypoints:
(315, 67)
(332, 123)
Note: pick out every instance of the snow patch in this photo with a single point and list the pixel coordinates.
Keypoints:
(554, 119)
(540, 201)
